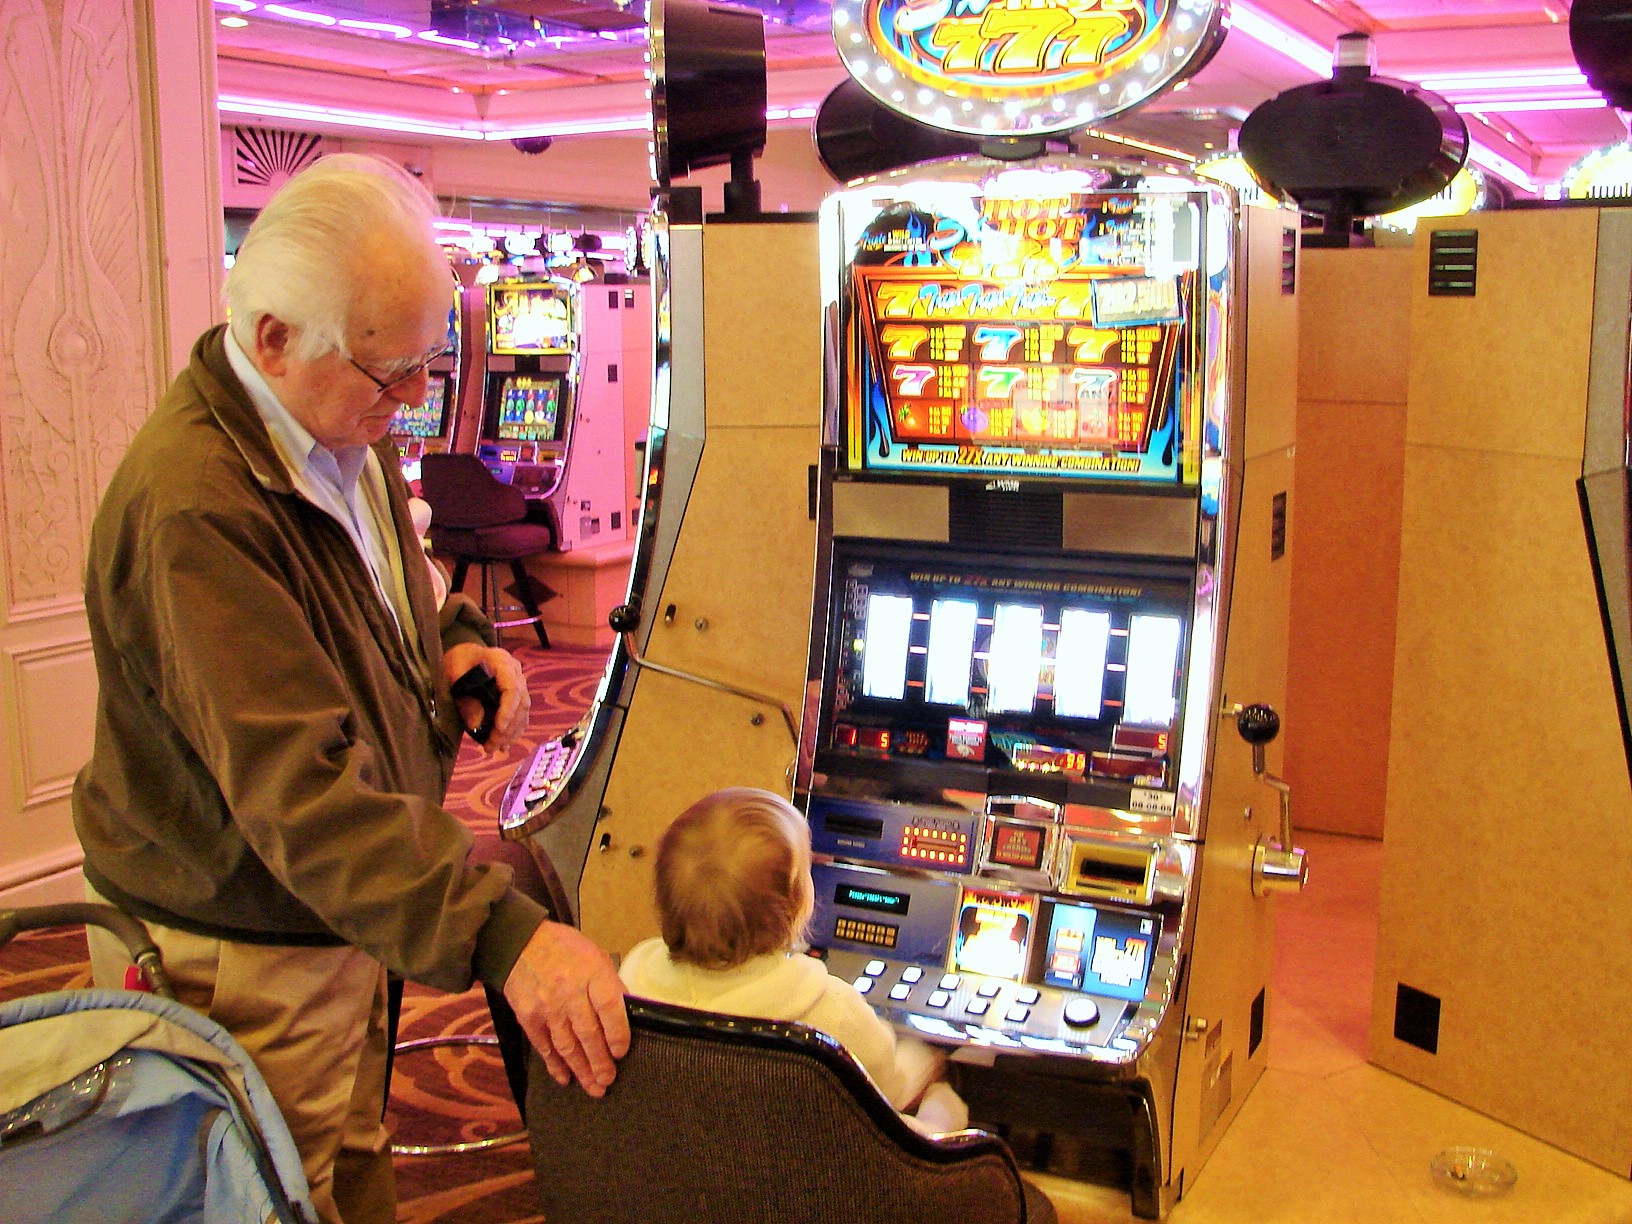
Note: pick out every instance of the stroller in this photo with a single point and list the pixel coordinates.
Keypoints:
(125, 1105)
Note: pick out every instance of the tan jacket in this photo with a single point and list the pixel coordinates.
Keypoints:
(270, 757)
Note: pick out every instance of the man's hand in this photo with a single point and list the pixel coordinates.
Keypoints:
(569, 1000)
(515, 703)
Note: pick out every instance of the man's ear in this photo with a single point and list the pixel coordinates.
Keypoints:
(272, 340)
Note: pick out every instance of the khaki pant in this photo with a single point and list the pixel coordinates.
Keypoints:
(313, 1021)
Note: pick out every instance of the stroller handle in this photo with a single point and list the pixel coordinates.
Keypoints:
(84, 913)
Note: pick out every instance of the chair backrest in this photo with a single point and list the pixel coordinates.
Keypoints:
(463, 494)
(733, 1121)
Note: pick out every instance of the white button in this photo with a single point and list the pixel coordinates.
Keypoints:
(1017, 1015)
(863, 985)
(949, 981)
(977, 1007)
(1081, 1012)
(900, 991)
(988, 990)
(875, 968)
(1028, 995)
(911, 973)
(938, 998)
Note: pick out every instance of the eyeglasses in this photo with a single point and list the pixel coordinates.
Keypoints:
(385, 384)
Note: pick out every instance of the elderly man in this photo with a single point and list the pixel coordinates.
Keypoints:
(275, 730)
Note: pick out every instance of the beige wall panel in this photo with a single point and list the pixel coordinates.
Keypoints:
(744, 567)
(1354, 327)
(1509, 810)
(1491, 389)
(1272, 337)
(762, 292)
(1350, 481)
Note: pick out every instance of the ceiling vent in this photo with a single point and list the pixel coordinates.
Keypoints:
(260, 160)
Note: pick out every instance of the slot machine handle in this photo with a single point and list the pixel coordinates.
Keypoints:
(625, 619)
(1276, 866)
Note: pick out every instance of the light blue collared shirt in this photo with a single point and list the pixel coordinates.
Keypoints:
(332, 481)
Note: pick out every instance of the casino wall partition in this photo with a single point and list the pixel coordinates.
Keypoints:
(1006, 697)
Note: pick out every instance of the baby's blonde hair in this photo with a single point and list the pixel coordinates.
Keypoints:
(733, 878)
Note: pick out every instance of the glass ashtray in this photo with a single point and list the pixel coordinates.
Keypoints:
(1473, 1171)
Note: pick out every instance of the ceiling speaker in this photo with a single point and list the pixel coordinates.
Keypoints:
(708, 86)
(1601, 40)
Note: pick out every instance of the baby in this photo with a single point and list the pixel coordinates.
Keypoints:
(734, 894)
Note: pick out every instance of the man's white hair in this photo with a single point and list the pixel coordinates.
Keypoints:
(295, 262)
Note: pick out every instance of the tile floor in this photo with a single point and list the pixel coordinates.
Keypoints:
(1326, 1138)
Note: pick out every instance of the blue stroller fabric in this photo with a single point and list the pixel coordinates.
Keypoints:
(121, 1105)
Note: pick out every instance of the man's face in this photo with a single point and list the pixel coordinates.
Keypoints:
(400, 318)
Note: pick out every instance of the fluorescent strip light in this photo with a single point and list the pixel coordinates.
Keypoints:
(322, 19)
(574, 127)
(1514, 78)
(376, 27)
(1268, 32)
(305, 112)
(431, 36)
(243, 6)
(1512, 105)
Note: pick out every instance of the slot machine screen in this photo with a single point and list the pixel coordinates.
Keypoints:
(428, 419)
(1101, 951)
(993, 933)
(529, 319)
(530, 407)
(975, 349)
(1037, 670)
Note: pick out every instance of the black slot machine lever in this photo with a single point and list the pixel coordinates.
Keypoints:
(1277, 866)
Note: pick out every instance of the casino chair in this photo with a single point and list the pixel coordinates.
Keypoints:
(479, 520)
(738, 1121)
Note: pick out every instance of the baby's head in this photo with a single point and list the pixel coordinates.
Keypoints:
(733, 878)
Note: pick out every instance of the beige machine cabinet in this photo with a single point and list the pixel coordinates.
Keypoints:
(733, 609)
(1222, 1051)
(1504, 950)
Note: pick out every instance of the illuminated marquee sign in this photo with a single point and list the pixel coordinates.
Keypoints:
(1603, 175)
(1015, 67)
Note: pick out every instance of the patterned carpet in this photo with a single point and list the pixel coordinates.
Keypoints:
(441, 1094)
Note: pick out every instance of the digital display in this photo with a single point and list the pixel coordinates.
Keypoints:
(1012, 844)
(1036, 337)
(935, 845)
(871, 899)
(1101, 951)
(992, 934)
(1031, 670)
(427, 419)
(529, 318)
(530, 408)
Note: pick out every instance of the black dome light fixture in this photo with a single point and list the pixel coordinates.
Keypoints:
(709, 91)
(1357, 145)
(1601, 41)
(857, 136)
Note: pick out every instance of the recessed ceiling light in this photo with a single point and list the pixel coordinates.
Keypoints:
(235, 23)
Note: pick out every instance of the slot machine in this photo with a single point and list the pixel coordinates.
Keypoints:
(1025, 475)
(554, 415)
(429, 426)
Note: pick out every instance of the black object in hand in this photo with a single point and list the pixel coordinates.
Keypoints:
(479, 685)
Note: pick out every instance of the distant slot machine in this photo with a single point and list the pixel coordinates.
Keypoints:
(554, 418)
(428, 426)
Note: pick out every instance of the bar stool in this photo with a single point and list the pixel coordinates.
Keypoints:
(479, 520)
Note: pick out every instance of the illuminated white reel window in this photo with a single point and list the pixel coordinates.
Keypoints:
(1016, 659)
(951, 646)
(1153, 656)
(884, 665)
(1079, 663)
